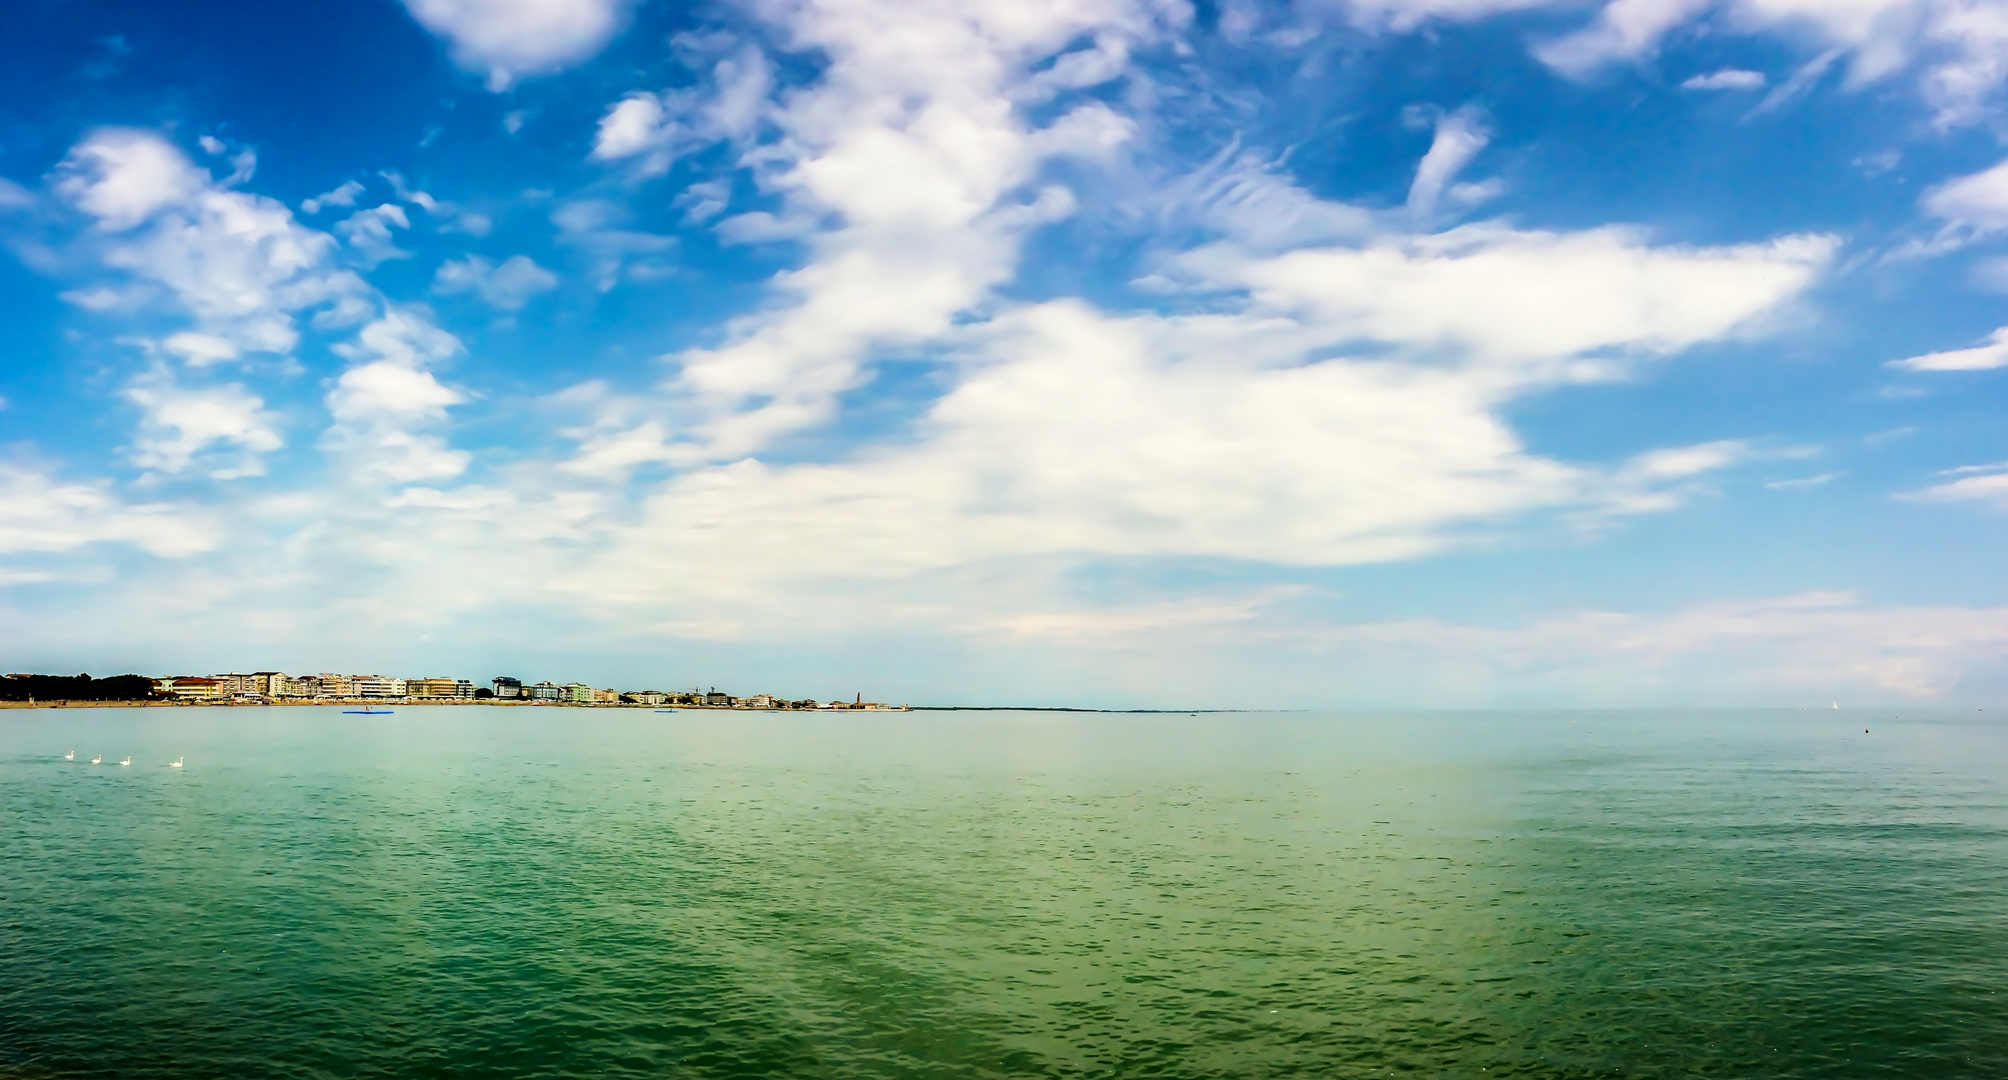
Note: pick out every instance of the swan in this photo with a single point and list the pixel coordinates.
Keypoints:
(98, 760)
(71, 756)
(176, 763)
(127, 761)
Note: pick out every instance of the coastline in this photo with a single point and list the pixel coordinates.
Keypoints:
(331, 702)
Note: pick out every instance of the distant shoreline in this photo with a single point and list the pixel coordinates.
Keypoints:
(373, 702)
(331, 702)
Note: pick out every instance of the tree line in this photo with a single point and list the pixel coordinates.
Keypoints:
(76, 688)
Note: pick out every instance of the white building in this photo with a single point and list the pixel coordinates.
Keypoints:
(377, 686)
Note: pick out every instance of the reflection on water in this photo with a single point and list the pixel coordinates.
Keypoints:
(484, 891)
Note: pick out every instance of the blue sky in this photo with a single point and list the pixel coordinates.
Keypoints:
(1107, 352)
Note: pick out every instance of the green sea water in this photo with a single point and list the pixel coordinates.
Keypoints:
(489, 892)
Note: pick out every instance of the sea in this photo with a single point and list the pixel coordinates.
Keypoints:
(567, 892)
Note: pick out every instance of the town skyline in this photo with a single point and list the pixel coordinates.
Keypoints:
(279, 688)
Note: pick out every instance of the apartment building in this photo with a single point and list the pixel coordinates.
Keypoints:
(377, 686)
(439, 687)
(190, 687)
(237, 684)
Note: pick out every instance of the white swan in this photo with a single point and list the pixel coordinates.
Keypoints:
(71, 756)
(98, 760)
(176, 763)
(127, 761)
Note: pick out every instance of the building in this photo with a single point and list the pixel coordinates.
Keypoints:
(606, 697)
(645, 697)
(237, 684)
(577, 693)
(337, 686)
(304, 686)
(439, 687)
(716, 698)
(377, 686)
(544, 691)
(271, 683)
(507, 687)
(760, 701)
(189, 687)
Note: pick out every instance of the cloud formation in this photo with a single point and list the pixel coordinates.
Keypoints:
(1993, 354)
(510, 39)
(506, 287)
(182, 422)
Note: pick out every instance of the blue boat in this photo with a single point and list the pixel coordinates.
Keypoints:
(366, 711)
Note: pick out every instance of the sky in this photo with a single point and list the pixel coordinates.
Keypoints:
(1126, 353)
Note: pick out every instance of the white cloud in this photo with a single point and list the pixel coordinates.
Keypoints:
(345, 195)
(509, 39)
(913, 150)
(1959, 48)
(123, 177)
(1804, 483)
(1074, 434)
(1993, 354)
(1726, 79)
(1986, 484)
(200, 350)
(44, 515)
(388, 404)
(506, 287)
(1251, 202)
(635, 124)
(1509, 295)
(368, 233)
(657, 128)
(238, 263)
(1459, 138)
(182, 423)
(1623, 30)
(1974, 205)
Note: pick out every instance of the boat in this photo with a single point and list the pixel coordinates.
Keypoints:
(367, 711)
